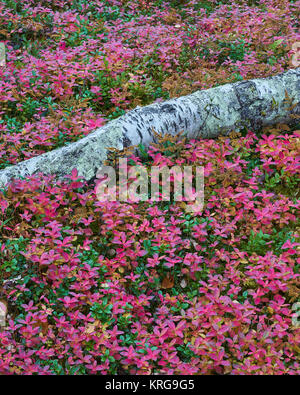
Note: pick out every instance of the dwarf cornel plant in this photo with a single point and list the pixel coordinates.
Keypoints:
(96, 287)
(143, 288)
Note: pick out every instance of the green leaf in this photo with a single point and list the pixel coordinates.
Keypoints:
(275, 44)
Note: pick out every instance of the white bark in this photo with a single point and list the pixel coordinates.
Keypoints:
(203, 114)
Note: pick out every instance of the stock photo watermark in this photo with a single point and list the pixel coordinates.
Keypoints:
(3, 312)
(296, 315)
(296, 54)
(138, 183)
(2, 54)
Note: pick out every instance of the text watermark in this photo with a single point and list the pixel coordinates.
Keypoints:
(2, 54)
(296, 54)
(159, 183)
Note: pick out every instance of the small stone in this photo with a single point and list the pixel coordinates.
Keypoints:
(183, 283)
(111, 252)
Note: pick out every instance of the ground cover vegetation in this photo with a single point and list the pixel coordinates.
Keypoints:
(143, 288)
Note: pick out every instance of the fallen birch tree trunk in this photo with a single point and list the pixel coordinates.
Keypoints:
(203, 114)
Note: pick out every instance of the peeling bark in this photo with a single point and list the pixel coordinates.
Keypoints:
(203, 114)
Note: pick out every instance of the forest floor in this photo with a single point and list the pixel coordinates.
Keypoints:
(89, 286)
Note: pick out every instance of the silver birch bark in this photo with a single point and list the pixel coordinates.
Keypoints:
(203, 114)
